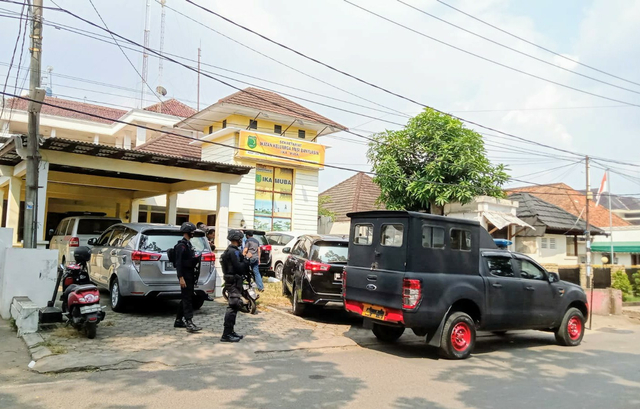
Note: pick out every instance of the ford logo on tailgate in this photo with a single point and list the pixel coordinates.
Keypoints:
(371, 287)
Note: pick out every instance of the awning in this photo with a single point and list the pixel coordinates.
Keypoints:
(502, 220)
(618, 247)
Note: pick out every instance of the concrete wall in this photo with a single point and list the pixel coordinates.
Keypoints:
(605, 301)
(305, 200)
(532, 246)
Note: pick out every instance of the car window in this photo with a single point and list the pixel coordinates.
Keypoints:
(104, 238)
(127, 237)
(363, 234)
(273, 239)
(159, 241)
(298, 249)
(285, 239)
(460, 239)
(330, 252)
(262, 239)
(94, 226)
(432, 237)
(62, 228)
(530, 271)
(500, 266)
(116, 236)
(69, 230)
(392, 235)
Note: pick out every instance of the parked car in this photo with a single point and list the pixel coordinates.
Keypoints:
(278, 241)
(312, 273)
(265, 248)
(130, 260)
(76, 230)
(445, 278)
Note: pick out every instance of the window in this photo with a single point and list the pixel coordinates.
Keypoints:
(70, 227)
(62, 228)
(128, 236)
(460, 239)
(104, 239)
(635, 259)
(211, 129)
(253, 124)
(432, 237)
(543, 243)
(273, 239)
(277, 129)
(530, 271)
(301, 134)
(297, 248)
(552, 243)
(224, 123)
(274, 198)
(572, 248)
(95, 226)
(330, 252)
(117, 236)
(363, 234)
(285, 239)
(500, 266)
(392, 235)
(159, 241)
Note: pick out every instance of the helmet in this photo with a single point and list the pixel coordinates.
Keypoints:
(187, 227)
(82, 254)
(235, 235)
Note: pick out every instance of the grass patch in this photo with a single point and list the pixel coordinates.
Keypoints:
(632, 299)
(108, 323)
(13, 325)
(272, 296)
(56, 349)
(66, 331)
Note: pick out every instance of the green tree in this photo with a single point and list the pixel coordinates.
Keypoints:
(434, 160)
(621, 282)
(636, 283)
(323, 201)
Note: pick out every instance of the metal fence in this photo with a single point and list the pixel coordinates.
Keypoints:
(571, 275)
(601, 277)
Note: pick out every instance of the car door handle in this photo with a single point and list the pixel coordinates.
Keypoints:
(529, 288)
(496, 285)
(372, 277)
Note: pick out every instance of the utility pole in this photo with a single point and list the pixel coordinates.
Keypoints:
(33, 156)
(588, 236)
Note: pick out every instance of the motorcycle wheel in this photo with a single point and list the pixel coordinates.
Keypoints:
(91, 329)
(252, 306)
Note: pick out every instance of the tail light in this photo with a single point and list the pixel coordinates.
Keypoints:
(266, 247)
(144, 256)
(74, 242)
(314, 267)
(208, 257)
(68, 281)
(411, 293)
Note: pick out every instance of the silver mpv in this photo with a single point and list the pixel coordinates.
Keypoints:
(130, 260)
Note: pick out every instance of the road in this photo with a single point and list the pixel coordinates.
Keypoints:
(522, 370)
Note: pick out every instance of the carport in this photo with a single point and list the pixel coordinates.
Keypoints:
(78, 175)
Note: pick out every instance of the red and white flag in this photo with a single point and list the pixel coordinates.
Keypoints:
(602, 187)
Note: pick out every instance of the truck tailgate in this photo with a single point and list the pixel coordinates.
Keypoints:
(376, 287)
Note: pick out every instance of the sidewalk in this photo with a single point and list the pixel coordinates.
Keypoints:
(14, 355)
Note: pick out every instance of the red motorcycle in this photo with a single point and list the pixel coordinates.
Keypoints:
(80, 298)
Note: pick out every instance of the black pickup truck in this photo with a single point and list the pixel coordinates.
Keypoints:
(445, 278)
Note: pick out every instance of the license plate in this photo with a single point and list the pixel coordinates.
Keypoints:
(168, 266)
(337, 277)
(374, 311)
(88, 309)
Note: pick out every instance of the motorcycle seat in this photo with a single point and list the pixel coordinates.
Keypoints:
(85, 287)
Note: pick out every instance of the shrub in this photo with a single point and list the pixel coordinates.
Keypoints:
(636, 283)
(621, 282)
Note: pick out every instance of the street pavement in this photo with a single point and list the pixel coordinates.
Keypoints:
(524, 370)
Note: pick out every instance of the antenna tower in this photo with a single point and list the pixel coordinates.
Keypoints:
(160, 67)
(145, 55)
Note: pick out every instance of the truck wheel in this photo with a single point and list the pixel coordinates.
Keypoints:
(386, 333)
(458, 336)
(571, 329)
(297, 308)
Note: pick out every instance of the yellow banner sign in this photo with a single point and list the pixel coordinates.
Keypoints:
(279, 149)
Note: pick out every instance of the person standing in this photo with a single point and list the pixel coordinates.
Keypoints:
(202, 227)
(234, 267)
(252, 252)
(186, 262)
(211, 238)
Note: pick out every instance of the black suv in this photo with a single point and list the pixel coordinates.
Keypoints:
(445, 278)
(312, 274)
(265, 250)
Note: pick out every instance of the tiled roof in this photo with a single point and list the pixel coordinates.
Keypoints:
(572, 201)
(265, 101)
(540, 213)
(111, 113)
(172, 107)
(617, 202)
(356, 194)
(171, 145)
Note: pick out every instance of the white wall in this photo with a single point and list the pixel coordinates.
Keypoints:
(305, 200)
(623, 233)
(204, 200)
(548, 255)
(217, 153)
(340, 228)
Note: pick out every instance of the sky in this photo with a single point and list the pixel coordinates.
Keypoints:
(602, 34)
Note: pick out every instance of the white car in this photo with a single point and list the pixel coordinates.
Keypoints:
(75, 231)
(278, 241)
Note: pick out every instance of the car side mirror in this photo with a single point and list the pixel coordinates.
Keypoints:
(51, 232)
(286, 250)
(554, 277)
(92, 242)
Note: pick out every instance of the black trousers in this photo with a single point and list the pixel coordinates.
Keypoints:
(185, 309)
(235, 304)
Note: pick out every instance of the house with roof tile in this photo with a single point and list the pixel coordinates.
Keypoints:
(359, 193)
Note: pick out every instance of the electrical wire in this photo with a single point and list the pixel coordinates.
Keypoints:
(536, 45)
(13, 55)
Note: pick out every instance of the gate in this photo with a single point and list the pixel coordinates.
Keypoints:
(571, 275)
(601, 277)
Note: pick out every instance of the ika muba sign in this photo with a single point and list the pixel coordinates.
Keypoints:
(279, 149)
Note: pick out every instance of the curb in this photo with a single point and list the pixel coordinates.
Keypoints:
(34, 343)
(300, 319)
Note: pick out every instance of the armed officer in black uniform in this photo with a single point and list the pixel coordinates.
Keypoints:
(186, 262)
(234, 267)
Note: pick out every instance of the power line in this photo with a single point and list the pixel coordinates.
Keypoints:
(514, 49)
(536, 45)
(485, 58)
(13, 54)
